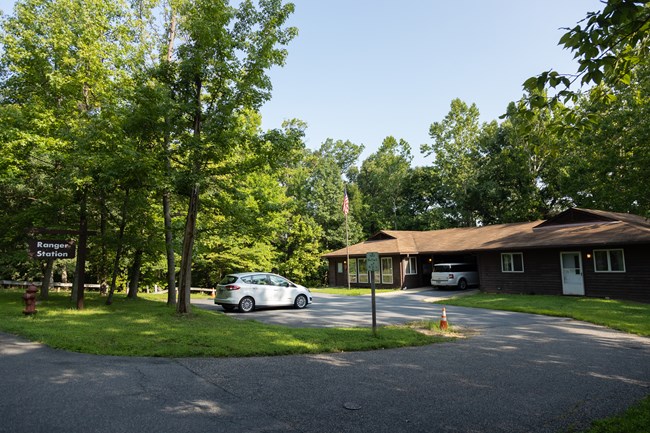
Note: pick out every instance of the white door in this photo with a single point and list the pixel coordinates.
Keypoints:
(572, 280)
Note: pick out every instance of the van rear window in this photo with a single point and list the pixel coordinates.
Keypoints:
(441, 268)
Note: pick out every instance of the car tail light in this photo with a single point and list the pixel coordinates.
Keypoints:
(450, 276)
(232, 287)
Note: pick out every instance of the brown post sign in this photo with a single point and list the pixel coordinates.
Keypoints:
(42, 249)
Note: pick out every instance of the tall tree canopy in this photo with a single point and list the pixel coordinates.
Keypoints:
(381, 181)
(218, 71)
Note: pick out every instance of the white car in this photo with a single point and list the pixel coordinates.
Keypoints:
(249, 290)
(460, 275)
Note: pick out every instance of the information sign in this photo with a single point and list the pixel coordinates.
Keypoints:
(46, 249)
(372, 262)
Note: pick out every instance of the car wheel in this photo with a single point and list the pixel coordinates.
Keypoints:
(246, 305)
(228, 307)
(462, 284)
(301, 301)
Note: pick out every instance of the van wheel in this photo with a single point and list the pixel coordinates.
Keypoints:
(462, 284)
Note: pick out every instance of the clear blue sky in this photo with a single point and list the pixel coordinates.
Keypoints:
(361, 70)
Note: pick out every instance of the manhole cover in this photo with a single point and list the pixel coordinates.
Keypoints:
(352, 406)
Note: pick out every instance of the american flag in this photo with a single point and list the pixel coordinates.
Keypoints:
(346, 202)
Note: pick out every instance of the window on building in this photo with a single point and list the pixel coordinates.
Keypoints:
(512, 262)
(339, 267)
(411, 266)
(387, 270)
(377, 277)
(363, 271)
(352, 271)
(609, 261)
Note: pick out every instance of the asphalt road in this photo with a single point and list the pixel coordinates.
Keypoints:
(351, 311)
(521, 373)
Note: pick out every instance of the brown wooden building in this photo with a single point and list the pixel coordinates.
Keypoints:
(579, 252)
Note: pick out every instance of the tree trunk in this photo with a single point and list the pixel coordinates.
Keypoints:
(185, 282)
(81, 252)
(135, 275)
(103, 256)
(75, 282)
(47, 279)
(118, 253)
(64, 275)
(169, 248)
(169, 240)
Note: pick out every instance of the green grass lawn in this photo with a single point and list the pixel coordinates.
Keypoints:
(625, 316)
(635, 419)
(148, 327)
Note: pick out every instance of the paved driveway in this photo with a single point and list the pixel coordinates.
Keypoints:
(351, 311)
(522, 373)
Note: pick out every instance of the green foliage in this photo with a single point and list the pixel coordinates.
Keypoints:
(609, 163)
(635, 419)
(608, 46)
(520, 166)
(318, 189)
(382, 181)
(423, 199)
(100, 106)
(65, 69)
(455, 146)
(300, 249)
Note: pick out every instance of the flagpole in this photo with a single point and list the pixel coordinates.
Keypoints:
(347, 247)
(346, 209)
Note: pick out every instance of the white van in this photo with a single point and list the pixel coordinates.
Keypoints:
(460, 275)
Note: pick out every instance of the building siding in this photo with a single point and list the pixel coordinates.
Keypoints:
(633, 284)
(543, 274)
(335, 279)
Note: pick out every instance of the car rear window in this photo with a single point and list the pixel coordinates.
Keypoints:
(441, 268)
(228, 279)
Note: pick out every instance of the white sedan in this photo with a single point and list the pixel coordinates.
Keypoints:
(259, 289)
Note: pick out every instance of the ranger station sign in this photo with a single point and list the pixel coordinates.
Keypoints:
(41, 249)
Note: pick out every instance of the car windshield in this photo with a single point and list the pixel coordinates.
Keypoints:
(228, 279)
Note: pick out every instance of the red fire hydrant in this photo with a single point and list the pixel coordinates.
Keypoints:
(30, 300)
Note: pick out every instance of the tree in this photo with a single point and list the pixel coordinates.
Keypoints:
(607, 44)
(603, 160)
(65, 63)
(521, 164)
(608, 165)
(222, 55)
(381, 182)
(300, 251)
(421, 194)
(455, 146)
(318, 187)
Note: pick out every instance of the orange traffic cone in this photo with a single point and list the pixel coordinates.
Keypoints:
(443, 320)
(213, 294)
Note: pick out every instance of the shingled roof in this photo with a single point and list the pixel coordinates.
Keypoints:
(571, 228)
